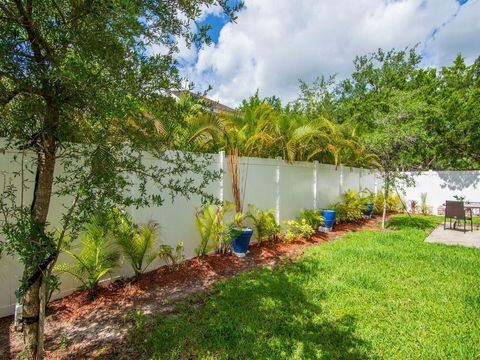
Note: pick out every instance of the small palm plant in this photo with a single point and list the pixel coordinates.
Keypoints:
(172, 256)
(424, 207)
(97, 257)
(136, 242)
(214, 232)
(313, 217)
(264, 223)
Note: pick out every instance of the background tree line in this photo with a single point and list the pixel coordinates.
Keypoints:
(391, 112)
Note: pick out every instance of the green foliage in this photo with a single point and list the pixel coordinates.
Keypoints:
(295, 230)
(97, 257)
(264, 224)
(214, 231)
(358, 298)
(455, 143)
(237, 220)
(312, 217)
(425, 209)
(172, 256)
(136, 242)
(80, 91)
(353, 206)
(263, 128)
(394, 203)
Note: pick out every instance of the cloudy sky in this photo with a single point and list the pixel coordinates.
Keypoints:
(276, 42)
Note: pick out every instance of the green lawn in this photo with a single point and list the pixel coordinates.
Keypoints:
(371, 294)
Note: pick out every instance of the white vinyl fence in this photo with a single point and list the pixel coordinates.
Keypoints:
(444, 185)
(269, 184)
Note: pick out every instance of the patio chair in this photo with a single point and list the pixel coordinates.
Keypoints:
(475, 212)
(456, 211)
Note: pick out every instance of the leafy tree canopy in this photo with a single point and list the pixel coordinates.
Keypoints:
(82, 87)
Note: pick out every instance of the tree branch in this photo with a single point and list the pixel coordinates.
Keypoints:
(59, 12)
(36, 41)
(7, 11)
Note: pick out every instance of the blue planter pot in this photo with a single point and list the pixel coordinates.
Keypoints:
(369, 211)
(329, 218)
(241, 241)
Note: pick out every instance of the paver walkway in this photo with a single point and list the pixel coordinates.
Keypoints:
(455, 237)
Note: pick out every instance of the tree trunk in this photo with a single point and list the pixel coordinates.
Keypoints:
(31, 305)
(385, 200)
(233, 168)
(34, 300)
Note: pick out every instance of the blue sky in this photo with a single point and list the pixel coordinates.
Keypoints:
(216, 22)
(274, 43)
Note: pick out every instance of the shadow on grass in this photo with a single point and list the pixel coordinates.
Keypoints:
(420, 222)
(259, 315)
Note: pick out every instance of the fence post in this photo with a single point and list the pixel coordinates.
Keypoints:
(340, 187)
(315, 178)
(360, 173)
(221, 160)
(277, 190)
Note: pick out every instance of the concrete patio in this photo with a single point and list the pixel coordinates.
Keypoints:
(455, 237)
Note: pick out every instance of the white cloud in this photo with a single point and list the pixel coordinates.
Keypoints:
(460, 34)
(276, 42)
(215, 10)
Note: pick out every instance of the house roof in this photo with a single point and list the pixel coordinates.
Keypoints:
(216, 106)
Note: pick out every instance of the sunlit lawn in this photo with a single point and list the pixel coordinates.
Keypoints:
(371, 294)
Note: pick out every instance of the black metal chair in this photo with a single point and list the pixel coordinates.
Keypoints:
(455, 210)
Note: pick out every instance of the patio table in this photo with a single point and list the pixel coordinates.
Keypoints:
(471, 206)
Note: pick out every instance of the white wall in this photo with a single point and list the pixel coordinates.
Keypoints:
(444, 185)
(270, 184)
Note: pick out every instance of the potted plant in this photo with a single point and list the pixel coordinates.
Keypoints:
(369, 211)
(240, 236)
(329, 216)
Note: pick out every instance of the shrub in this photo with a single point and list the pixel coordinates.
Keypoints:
(353, 206)
(172, 256)
(136, 242)
(97, 257)
(424, 207)
(313, 217)
(394, 203)
(294, 230)
(264, 224)
(214, 232)
(413, 206)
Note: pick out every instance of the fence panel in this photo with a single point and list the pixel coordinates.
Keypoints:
(444, 185)
(266, 183)
(296, 189)
(328, 185)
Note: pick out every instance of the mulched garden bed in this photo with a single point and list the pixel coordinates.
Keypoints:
(77, 328)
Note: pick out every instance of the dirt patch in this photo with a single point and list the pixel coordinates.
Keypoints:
(77, 328)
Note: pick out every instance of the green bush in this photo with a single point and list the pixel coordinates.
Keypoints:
(172, 256)
(394, 203)
(353, 206)
(425, 209)
(97, 257)
(295, 230)
(136, 242)
(263, 222)
(313, 217)
(214, 231)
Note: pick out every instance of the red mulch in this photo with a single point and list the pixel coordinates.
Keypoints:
(77, 328)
